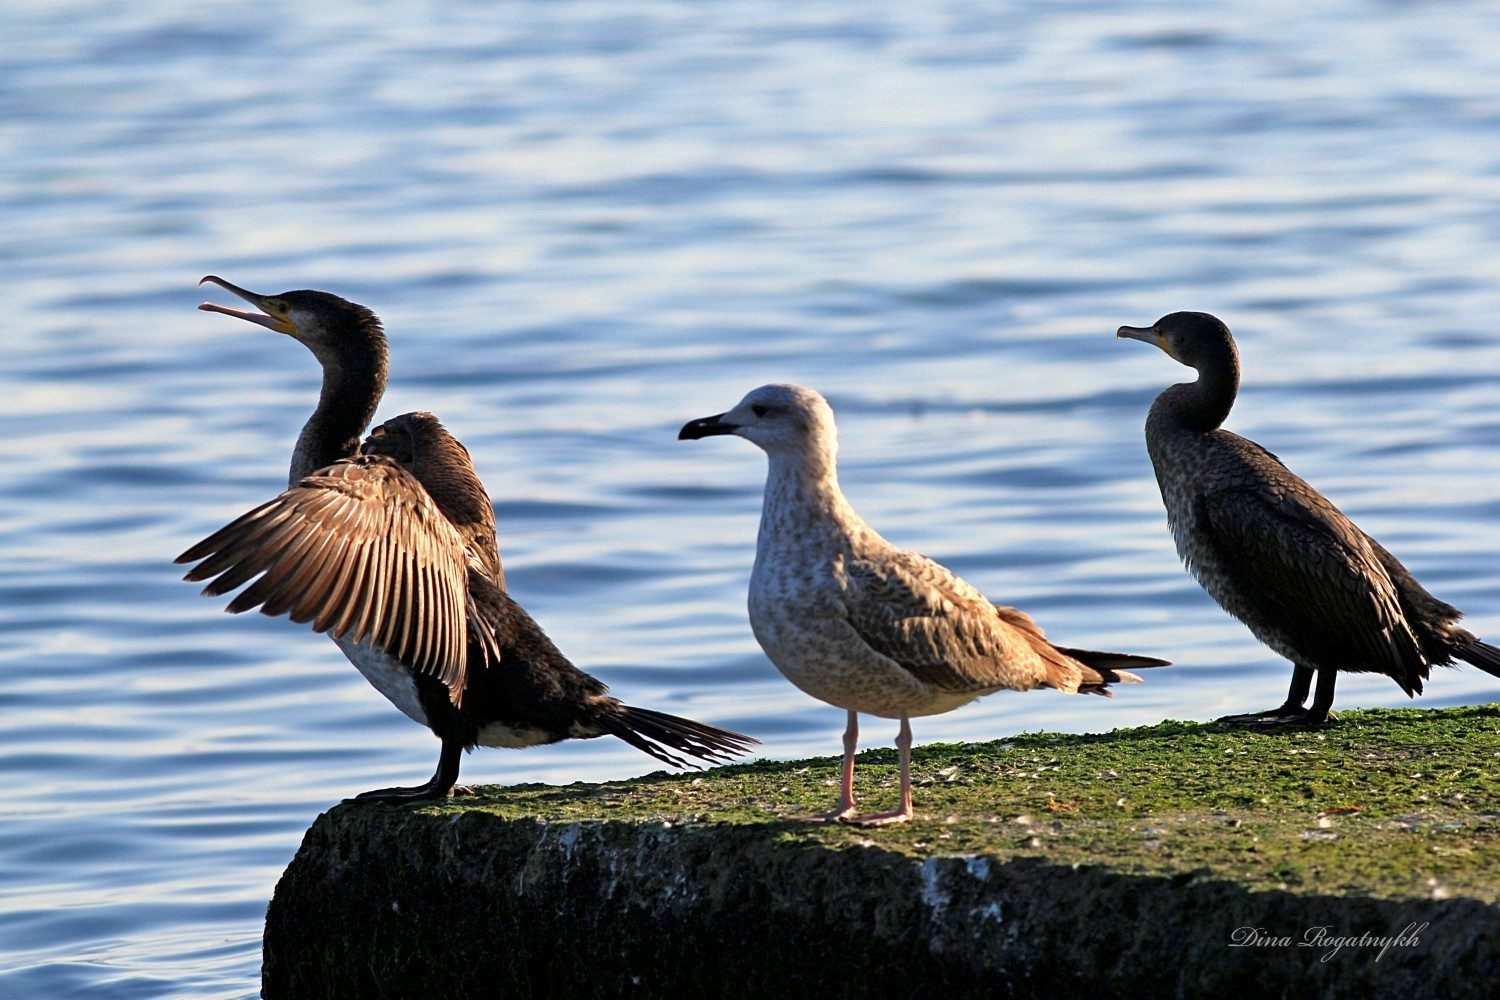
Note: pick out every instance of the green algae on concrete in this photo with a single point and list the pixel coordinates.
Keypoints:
(1171, 859)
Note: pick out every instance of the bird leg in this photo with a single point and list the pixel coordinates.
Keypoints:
(845, 807)
(1292, 713)
(438, 787)
(1320, 713)
(903, 812)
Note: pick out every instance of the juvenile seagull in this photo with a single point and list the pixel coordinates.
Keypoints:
(856, 622)
(392, 552)
(1274, 552)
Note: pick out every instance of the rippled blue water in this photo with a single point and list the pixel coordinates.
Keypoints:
(587, 222)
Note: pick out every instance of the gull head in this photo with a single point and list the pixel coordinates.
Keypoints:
(781, 419)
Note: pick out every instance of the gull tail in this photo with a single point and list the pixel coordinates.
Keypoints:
(1103, 669)
(656, 732)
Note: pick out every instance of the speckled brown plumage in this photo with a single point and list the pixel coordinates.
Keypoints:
(856, 622)
(1274, 552)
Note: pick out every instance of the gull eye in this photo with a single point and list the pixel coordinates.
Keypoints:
(759, 410)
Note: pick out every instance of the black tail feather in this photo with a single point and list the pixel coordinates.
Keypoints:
(1480, 654)
(653, 732)
(1104, 662)
(1109, 668)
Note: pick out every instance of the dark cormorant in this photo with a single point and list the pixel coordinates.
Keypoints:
(858, 623)
(349, 343)
(1274, 552)
(391, 550)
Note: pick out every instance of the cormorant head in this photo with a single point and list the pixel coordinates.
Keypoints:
(1190, 338)
(328, 324)
(778, 418)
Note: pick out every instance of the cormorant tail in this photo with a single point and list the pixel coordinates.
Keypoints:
(653, 732)
(1481, 654)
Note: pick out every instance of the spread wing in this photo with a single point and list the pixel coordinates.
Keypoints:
(943, 631)
(360, 551)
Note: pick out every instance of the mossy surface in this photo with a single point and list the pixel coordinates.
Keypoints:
(1385, 803)
(1125, 863)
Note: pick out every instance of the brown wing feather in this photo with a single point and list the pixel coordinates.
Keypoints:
(944, 632)
(360, 550)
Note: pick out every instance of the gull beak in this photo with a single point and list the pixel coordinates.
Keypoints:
(706, 427)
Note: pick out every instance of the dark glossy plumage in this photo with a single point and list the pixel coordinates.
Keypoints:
(349, 343)
(1274, 552)
(392, 552)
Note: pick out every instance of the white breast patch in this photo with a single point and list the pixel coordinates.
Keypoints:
(388, 675)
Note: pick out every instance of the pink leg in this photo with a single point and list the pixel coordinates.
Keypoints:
(904, 812)
(845, 807)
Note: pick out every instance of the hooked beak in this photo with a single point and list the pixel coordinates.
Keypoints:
(272, 316)
(1145, 334)
(706, 427)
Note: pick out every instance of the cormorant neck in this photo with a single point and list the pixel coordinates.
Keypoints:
(353, 382)
(1205, 404)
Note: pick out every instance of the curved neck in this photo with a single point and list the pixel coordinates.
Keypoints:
(802, 504)
(1205, 404)
(352, 386)
(809, 477)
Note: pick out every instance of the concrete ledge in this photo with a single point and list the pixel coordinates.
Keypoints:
(694, 887)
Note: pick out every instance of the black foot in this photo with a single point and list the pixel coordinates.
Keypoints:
(422, 793)
(1286, 715)
(439, 786)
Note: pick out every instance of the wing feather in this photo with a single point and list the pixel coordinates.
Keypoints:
(1290, 563)
(360, 551)
(941, 630)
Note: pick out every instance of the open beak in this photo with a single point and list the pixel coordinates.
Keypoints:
(706, 427)
(272, 316)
